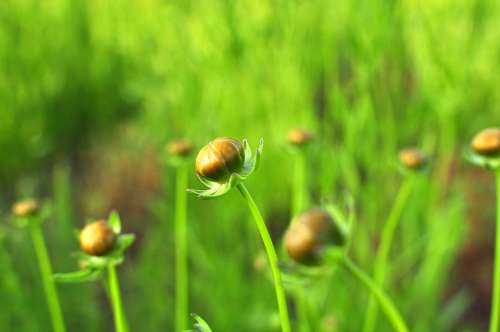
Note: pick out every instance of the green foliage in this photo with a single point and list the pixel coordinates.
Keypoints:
(368, 78)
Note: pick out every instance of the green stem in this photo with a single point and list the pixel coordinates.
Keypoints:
(271, 256)
(48, 284)
(299, 202)
(302, 311)
(389, 229)
(116, 300)
(299, 198)
(385, 302)
(495, 305)
(181, 259)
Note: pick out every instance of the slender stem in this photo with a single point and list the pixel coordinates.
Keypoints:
(385, 302)
(181, 259)
(299, 202)
(302, 311)
(389, 229)
(495, 305)
(48, 284)
(299, 195)
(271, 256)
(116, 300)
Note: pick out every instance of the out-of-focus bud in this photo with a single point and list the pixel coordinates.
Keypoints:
(299, 137)
(97, 238)
(260, 262)
(309, 232)
(487, 142)
(412, 158)
(25, 208)
(220, 158)
(180, 148)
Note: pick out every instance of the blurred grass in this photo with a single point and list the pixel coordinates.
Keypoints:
(99, 86)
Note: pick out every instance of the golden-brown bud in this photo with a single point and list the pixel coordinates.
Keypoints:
(97, 238)
(299, 137)
(300, 243)
(180, 148)
(25, 208)
(487, 142)
(412, 158)
(220, 158)
(309, 232)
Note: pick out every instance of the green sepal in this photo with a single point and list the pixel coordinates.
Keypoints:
(488, 162)
(201, 325)
(114, 222)
(100, 262)
(85, 275)
(408, 171)
(123, 241)
(341, 222)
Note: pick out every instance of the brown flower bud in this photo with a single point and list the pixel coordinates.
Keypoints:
(309, 232)
(299, 137)
(220, 158)
(180, 148)
(487, 142)
(25, 208)
(300, 243)
(97, 238)
(412, 158)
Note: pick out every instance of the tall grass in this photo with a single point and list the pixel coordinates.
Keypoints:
(367, 77)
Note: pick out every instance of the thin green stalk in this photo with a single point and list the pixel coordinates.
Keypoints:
(48, 284)
(299, 202)
(299, 194)
(181, 259)
(382, 256)
(271, 256)
(116, 300)
(495, 305)
(385, 302)
(302, 311)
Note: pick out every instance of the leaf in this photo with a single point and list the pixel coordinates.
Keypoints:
(115, 222)
(201, 325)
(80, 276)
(123, 242)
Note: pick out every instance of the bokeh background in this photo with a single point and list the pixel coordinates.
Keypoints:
(92, 91)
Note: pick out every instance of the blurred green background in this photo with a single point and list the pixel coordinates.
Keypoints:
(92, 90)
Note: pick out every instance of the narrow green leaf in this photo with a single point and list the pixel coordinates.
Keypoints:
(201, 325)
(115, 222)
(80, 276)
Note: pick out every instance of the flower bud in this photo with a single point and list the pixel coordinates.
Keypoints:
(487, 142)
(300, 243)
(25, 208)
(180, 148)
(299, 137)
(309, 233)
(412, 158)
(97, 238)
(220, 158)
